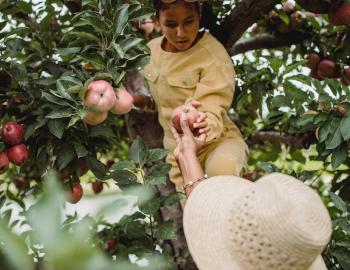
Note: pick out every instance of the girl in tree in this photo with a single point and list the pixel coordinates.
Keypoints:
(189, 66)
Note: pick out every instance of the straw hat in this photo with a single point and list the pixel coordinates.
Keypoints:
(275, 223)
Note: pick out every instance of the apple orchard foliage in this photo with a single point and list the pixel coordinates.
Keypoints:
(49, 56)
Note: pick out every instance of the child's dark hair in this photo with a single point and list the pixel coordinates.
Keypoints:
(208, 19)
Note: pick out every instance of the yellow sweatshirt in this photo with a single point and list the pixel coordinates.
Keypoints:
(204, 73)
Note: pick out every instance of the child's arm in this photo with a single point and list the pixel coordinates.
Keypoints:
(215, 93)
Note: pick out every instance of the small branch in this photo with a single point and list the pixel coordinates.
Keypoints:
(268, 41)
(299, 141)
(243, 15)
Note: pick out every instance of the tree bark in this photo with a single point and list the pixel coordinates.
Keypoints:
(268, 41)
(243, 15)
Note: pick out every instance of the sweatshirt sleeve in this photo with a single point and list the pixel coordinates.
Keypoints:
(215, 91)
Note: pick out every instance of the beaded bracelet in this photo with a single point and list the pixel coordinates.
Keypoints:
(191, 183)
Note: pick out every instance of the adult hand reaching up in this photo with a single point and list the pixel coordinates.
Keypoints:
(187, 146)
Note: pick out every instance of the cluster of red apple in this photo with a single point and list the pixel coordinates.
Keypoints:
(100, 98)
(76, 191)
(339, 13)
(16, 152)
(326, 68)
(273, 20)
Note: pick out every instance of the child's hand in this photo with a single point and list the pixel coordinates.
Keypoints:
(201, 124)
(186, 143)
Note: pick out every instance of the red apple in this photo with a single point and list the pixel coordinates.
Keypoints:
(192, 116)
(54, 24)
(14, 101)
(147, 26)
(97, 186)
(75, 193)
(327, 69)
(312, 60)
(297, 19)
(288, 6)
(100, 96)
(94, 118)
(109, 163)
(123, 103)
(341, 111)
(111, 245)
(20, 183)
(4, 162)
(345, 79)
(12, 133)
(83, 166)
(18, 154)
(339, 13)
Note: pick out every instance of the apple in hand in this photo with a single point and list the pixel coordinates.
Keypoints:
(192, 116)
(4, 163)
(18, 154)
(75, 193)
(100, 96)
(123, 103)
(12, 133)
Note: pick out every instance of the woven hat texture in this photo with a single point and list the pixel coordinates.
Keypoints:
(275, 223)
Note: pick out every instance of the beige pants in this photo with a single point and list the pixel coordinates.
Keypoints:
(227, 158)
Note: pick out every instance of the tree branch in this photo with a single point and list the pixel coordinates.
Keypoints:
(268, 41)
(243, 15)
(298, 141)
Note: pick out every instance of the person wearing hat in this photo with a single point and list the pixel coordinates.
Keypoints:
(231, 223)
(189, 66)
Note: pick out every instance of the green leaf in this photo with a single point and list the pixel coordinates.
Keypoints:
(334, 139)
(174, 198)
(158, 170)
(342, 255)
(15, 249)
(156, 180)
(84, 35)
(80, 150)
(59, 114)
(123, 164)
(268, 167)
(292, 66)
(118, 49)
(156, 154)
(96, 22)
(65, 156)
(345, 127)
(338, 202)
(55, 100)
(166, 231)
(339, 156)
(47, 229)
(130, 42)
(294, 93)
(56, 127)
(124, 177)
(121, 19)
(138, 151)
(97, 167)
